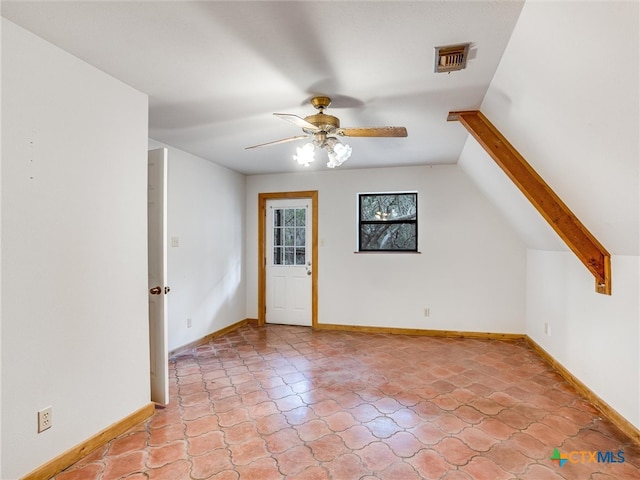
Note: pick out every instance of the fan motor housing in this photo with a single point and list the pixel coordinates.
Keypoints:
(323, 121)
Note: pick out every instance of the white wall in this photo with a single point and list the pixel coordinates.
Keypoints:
(74, 271)
(206, 211)
(1, 409)
(470, 272)
(594, 336)
(566, 95)
(505, 195)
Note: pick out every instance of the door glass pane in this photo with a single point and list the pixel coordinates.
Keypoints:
(288, 256)
(277, 217)
(277, 256)
(289, 236)
(277, 236)
(300, 235)
(301, 214)
(290, 217)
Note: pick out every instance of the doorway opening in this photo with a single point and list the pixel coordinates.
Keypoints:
(266, 252)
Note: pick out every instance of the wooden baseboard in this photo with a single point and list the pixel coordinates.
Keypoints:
(418, 331)
(71, 456)
(607, 410)
(201, 341)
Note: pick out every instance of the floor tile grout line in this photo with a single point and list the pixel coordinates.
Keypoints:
(315, 354)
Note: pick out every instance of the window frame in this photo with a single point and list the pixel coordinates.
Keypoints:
(361, 222)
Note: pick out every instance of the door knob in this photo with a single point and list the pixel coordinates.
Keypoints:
(155, 290)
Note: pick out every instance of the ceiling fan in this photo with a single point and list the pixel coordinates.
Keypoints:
(324, 131)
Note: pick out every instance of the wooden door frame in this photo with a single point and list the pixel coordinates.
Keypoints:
(262, 246)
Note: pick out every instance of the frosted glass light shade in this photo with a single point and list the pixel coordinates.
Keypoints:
(338, 155)
(305, 154)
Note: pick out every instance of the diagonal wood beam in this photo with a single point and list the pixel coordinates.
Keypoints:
(581, 242)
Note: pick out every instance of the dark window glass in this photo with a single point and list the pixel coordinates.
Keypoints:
(388, 222)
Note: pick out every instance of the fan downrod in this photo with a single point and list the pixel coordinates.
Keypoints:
(320, 103)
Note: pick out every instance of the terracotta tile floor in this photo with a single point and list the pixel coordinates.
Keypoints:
(284, 402)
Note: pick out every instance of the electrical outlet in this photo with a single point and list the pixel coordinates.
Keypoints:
(189, 323)
(45, 419)
(427, 311)
(547, 329)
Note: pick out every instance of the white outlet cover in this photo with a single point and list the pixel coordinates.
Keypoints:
(45, 419)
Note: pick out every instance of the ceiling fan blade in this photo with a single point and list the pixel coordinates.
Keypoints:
(372, 132)
(284, 140)
(296, 120)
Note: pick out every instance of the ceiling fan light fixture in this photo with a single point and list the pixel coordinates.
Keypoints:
(305, 154)
(323, 129)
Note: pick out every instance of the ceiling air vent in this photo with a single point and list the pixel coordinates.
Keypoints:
(451, 58)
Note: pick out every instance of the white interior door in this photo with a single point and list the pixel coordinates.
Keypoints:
(158, 289)
(288, 261)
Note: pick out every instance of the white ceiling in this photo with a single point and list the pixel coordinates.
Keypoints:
(216, 71)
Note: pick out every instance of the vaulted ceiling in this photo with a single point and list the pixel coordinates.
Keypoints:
(216, 71)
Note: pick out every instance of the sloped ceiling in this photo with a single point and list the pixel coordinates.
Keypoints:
(575, 122)
(216, 71)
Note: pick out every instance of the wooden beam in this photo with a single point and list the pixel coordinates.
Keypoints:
(581, 242)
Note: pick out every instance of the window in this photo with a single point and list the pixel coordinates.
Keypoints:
(289, 236)
(388, 222)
